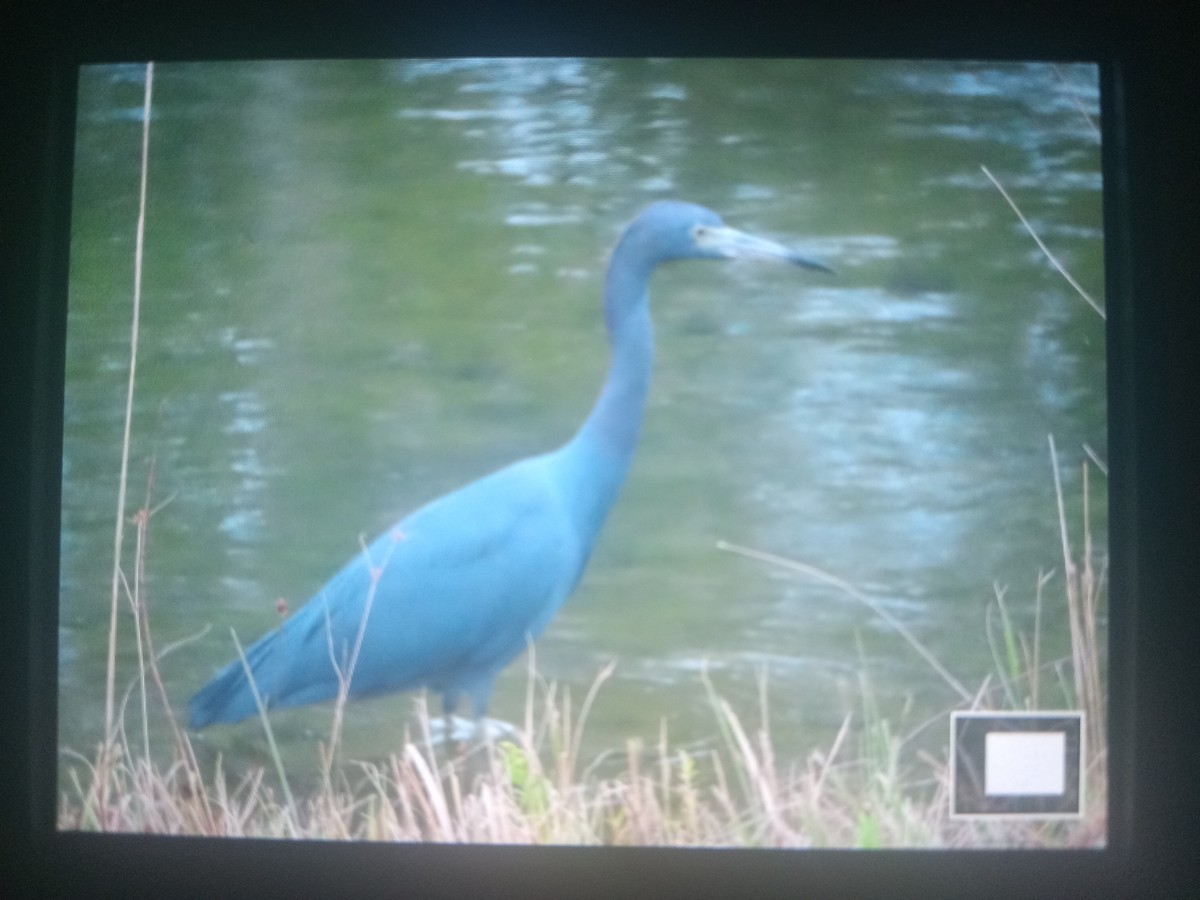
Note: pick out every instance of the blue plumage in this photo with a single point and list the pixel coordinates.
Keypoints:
(464, 582)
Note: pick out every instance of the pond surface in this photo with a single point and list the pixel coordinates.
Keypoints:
(368, 283)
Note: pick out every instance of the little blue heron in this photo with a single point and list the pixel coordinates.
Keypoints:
(452, 593)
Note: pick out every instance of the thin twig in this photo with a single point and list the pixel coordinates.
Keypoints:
(141, 607)
(344, 679)
(1046, 250)
(1078, 103)
(110, 678)
(1100, 464)
(854, 592)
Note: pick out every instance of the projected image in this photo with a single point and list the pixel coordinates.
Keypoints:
(591, 452)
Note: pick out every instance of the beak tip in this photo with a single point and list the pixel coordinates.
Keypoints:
(805, 263)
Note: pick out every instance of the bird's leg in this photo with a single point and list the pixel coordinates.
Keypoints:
(481, 735)
(449, 702)
(454, 749)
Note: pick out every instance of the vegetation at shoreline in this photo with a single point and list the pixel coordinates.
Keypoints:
(869, 788)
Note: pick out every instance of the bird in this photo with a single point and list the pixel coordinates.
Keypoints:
(453, 592)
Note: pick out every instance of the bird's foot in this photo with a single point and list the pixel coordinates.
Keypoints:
(454, 730)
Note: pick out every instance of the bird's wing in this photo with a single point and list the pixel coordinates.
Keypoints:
(454, 589)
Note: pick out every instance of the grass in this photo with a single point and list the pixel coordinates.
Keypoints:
(868, 788)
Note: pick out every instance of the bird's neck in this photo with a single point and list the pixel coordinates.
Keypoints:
(605, 443)
(615, 420)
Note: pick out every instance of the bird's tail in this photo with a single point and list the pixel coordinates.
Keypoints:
(228, 697)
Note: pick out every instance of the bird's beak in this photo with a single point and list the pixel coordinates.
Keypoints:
(734, 244)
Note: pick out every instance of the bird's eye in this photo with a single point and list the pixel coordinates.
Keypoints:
(699, 232)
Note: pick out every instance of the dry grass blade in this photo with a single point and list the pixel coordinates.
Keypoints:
(262, 713)
(431, 795)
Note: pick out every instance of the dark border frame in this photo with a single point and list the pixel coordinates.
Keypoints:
(1149, 86)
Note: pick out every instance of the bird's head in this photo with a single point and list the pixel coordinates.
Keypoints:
(670, 229)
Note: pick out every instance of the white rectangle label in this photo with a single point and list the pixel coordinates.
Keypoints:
(1025, 763)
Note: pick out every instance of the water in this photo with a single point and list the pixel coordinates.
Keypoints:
(368, 283)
